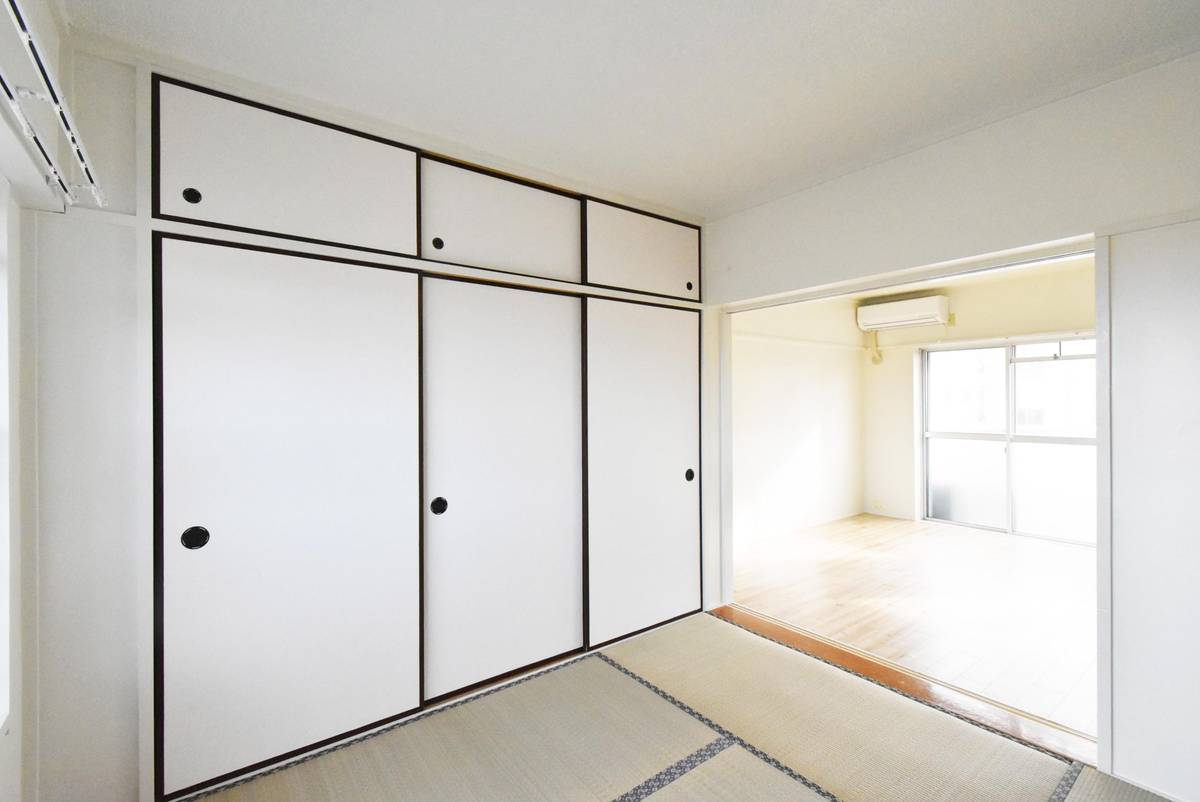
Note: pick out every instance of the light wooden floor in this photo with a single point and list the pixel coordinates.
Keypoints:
(1008, 617)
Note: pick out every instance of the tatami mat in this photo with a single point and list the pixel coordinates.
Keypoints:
(855, 739)
(698, 710)
(1092, 786)
(582, 732)
(735, 774)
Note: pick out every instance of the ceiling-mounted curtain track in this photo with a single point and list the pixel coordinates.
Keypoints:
(53, 174)
(49, 93)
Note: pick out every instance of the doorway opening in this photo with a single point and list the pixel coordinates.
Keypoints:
(915, 483)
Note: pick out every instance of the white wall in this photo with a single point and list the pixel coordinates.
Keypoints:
(890, 452)
(797, 419)
(10, 529)
(1155, 559)
(88, 518)
(1124, 151)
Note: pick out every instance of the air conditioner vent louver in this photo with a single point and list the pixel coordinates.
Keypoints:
(927, 311)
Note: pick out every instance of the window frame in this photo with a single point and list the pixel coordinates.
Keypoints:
(1009, 436)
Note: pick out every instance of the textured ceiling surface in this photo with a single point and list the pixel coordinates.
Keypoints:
(701, 106)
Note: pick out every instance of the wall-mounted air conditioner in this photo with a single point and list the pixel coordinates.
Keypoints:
(927, 311)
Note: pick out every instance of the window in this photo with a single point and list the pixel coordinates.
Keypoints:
(1010, 438)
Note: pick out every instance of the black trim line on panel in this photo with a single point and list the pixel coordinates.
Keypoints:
(156, 212)
(643, 212)
(474, 686)
(583, 404)
(505, 272)
(157, 546)
(574, 293)
(277, 234)
(159, 77)
(583, 245)
(700, 444)
(249, 246)
(508, 285)
(503, 176)
(155, 150)
(662, 623)
(420, 198)
(643, 292)
(420, 487)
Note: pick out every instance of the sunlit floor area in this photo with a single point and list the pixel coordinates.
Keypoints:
(1008, 617)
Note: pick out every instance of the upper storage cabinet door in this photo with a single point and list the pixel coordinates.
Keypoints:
(473, 218)
(635, 251)
(228, 163)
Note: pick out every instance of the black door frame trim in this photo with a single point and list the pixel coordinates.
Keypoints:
(503, 176)
(157, 239)
(157, 78)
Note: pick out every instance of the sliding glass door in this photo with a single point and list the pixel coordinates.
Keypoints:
(1010, 438)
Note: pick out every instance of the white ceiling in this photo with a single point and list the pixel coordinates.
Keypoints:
(701, 106)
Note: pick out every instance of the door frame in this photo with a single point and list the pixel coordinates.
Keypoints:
(1096, 245)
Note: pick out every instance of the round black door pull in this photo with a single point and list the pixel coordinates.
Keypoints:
(437, 243)
(192, 195)
(194, 537)
(689, 474)
(439, 505)
(689, 285)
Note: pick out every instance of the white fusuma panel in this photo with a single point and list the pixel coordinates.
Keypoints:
(503, 480)
(472, 218)
(636, 251)
(228, 163)
(290, 545)
(643, 465)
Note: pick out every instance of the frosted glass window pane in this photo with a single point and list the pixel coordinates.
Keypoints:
(1056, 398)
(1054, 490)
(1026, 350)
(1078, 347)
(966, 482)
(967, 390)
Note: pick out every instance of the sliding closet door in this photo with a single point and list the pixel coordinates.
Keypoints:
(289, 481)
(643, 466)
(503, 484)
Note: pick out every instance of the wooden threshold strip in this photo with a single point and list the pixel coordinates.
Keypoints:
(1038, 732)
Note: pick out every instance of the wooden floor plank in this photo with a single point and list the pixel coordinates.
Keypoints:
(1006, 617)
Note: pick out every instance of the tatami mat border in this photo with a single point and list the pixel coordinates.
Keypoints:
(715, 727)
(916, 699)
(1067, 783)
(676, 770)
